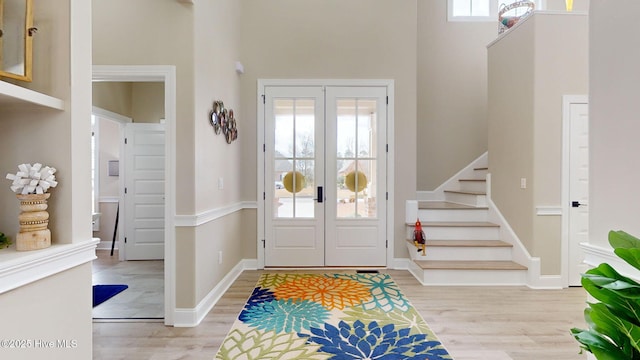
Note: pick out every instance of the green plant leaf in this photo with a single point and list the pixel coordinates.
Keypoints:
(614, 322)
(622, 240)
(631, 256)
(607, 277)
(612, 327)
(600, 313)
(624, 307)
(598, 345)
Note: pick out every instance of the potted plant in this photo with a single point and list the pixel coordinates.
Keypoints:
(31, 184)
(614, 321)
(5, 242)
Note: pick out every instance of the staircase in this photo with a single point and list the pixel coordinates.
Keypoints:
(463, 247)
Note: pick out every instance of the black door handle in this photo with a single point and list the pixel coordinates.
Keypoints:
(320, 196)
(576, 204)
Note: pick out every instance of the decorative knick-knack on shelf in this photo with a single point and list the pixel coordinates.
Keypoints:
(34, 221)
(31, 185)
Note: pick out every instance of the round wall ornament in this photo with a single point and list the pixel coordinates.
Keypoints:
(355, 181)
(294, 181)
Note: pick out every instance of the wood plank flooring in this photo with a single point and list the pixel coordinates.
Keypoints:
(474, 323)
(145, 296)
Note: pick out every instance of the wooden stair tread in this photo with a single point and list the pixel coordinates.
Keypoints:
(455, 224)
(445, 205)
(465, 243)
(466, 192)
(469, 265)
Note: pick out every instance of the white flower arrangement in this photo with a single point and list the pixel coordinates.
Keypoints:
(33, 179)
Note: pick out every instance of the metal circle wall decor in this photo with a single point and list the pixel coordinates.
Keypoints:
(224, 121)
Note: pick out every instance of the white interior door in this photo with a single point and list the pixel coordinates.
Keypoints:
(578, 189)
(144, 191)
(325, 176)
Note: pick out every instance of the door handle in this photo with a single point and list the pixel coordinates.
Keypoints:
(320, 196)
(577, 204)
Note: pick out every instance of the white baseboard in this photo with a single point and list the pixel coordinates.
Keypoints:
(106, 245)
(190, 317)
(400, 264)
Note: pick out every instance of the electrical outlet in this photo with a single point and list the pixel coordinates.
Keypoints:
(220, 183)
(220, 257)
(523, 183)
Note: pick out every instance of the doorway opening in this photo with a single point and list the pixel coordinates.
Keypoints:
(164, 76)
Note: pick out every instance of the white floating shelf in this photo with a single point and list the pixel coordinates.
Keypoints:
(15, 95)
(18, 268)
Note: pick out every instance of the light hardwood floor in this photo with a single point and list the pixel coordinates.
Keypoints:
(474, 323)
(144, 299)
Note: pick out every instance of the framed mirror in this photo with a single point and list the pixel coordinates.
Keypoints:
(16, 39)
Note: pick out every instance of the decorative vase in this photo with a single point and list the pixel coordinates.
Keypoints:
(34, 220)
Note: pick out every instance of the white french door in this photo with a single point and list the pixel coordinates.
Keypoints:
(325, 175)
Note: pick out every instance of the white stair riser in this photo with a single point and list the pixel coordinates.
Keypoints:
(458, 233)
(467, 199)
(480, 174)
(473, 215)
(465, 253)
(468, 277)
(473, 185)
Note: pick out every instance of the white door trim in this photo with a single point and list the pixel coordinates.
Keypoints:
(262, 83)
(166, 74)
(567, 100)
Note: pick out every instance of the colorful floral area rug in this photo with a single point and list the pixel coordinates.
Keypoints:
(337, 316)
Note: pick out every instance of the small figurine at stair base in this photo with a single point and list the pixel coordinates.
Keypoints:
(419, 239)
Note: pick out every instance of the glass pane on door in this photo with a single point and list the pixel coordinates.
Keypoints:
(356, 181)
(294, 158)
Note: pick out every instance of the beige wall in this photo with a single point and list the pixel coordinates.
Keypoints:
(530, 69)
(578, 5)
(511, 127)
(216, 51)
(452, 93)
(141, 101)
(147, 102)
(55, 308)
(116, 97)
(145, 37)
(613, 119)
(360, 39)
